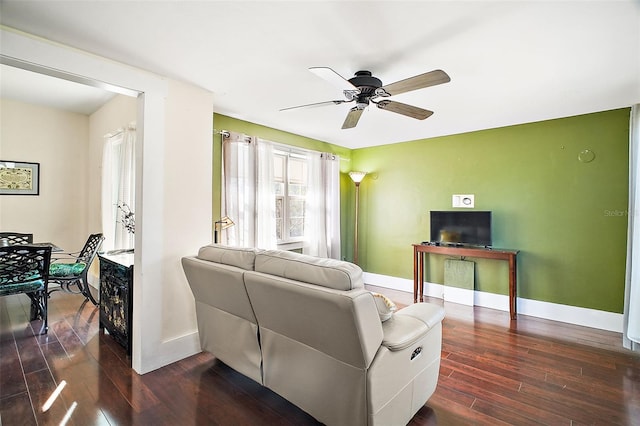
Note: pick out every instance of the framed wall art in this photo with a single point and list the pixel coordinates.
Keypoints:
(19, 178)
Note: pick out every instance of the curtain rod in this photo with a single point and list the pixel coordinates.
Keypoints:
(284, 147)
(227, 134)
(121, 130)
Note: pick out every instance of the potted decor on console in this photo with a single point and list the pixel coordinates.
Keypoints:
(128, 218)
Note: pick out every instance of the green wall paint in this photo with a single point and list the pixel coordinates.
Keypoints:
(567, 217)
(222, 122)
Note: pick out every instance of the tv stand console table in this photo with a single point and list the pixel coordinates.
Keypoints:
(487, 253)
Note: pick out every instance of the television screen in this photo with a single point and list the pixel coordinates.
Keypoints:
(471, 228)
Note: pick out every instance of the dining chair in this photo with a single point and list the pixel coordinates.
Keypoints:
(25, 270)
(15, 238)
(70, 269)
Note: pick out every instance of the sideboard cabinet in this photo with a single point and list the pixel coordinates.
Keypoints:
(116, 296)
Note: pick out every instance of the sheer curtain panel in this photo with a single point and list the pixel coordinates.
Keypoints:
(322, 206)
(265, 214)
(118, 187)
(631, 317)
(247, 192)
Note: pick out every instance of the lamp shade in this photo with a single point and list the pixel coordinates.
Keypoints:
(357, 176)
(224, 223)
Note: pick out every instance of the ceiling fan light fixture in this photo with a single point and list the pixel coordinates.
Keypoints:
(362, 101)
(364, 88)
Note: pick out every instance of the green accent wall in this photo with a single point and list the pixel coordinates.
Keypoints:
(568, 217)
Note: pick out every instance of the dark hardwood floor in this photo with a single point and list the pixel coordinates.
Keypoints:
(493, 372)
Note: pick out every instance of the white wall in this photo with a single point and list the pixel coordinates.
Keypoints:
(58, 140)
(119, 112)
(173, 208)
(187, 177)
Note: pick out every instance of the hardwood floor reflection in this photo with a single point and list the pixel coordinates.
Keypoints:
(493, 371)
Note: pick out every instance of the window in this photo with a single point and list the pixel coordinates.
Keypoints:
(290, 187)
(118, 188)
(280, 196)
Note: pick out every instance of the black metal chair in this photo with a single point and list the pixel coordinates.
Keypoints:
(68, 269)
(15, 238)
(25, 270)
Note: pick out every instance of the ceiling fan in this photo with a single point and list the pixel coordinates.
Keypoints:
(364, 88)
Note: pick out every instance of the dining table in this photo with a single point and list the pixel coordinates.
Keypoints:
(54, 248)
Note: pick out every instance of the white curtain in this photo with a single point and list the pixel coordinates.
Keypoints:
(322, 206)
(118, 187)
(248, 197)
(631, 317)
(265, 197)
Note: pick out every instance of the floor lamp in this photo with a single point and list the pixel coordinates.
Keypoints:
(220, 225)
(357, 178)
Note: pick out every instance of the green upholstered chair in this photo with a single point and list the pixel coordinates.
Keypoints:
(69, 270)
(25, 270)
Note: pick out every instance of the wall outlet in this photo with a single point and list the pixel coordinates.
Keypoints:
(463, 201)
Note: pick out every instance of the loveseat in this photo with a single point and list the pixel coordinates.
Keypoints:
(306, 328)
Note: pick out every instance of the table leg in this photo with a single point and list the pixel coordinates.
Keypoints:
(416, 276)
(421, 274)
(513, 273)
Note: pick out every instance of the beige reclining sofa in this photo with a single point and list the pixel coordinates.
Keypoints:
(306, 328)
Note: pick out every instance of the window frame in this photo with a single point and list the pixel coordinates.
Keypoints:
(287, 242)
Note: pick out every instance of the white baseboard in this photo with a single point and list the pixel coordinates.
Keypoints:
(461, 296)
(593, 318)
(172, 350)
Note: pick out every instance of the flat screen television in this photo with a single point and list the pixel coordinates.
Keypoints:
(467, 228)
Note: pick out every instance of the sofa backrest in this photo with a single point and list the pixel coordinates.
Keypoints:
(324, 272)
(243, 258)
(320, 303)
(342, 324)
(216, 279)
(227, 325)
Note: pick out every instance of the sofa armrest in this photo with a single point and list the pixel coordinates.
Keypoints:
(430, 314)
(410, 324)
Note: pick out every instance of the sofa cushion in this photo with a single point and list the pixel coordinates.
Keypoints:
(330, 273)
(239, 257)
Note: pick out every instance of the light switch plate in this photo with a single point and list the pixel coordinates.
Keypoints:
(466, 201)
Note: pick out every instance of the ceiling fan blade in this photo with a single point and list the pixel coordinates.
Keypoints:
(404, 109)
(431, 78)
(317, 104)
(334, 78)
(352, 118)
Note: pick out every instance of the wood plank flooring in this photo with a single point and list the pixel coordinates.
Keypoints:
(493, 372)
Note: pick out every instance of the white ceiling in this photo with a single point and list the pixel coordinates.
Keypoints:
(40, 89)
(510, 62)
